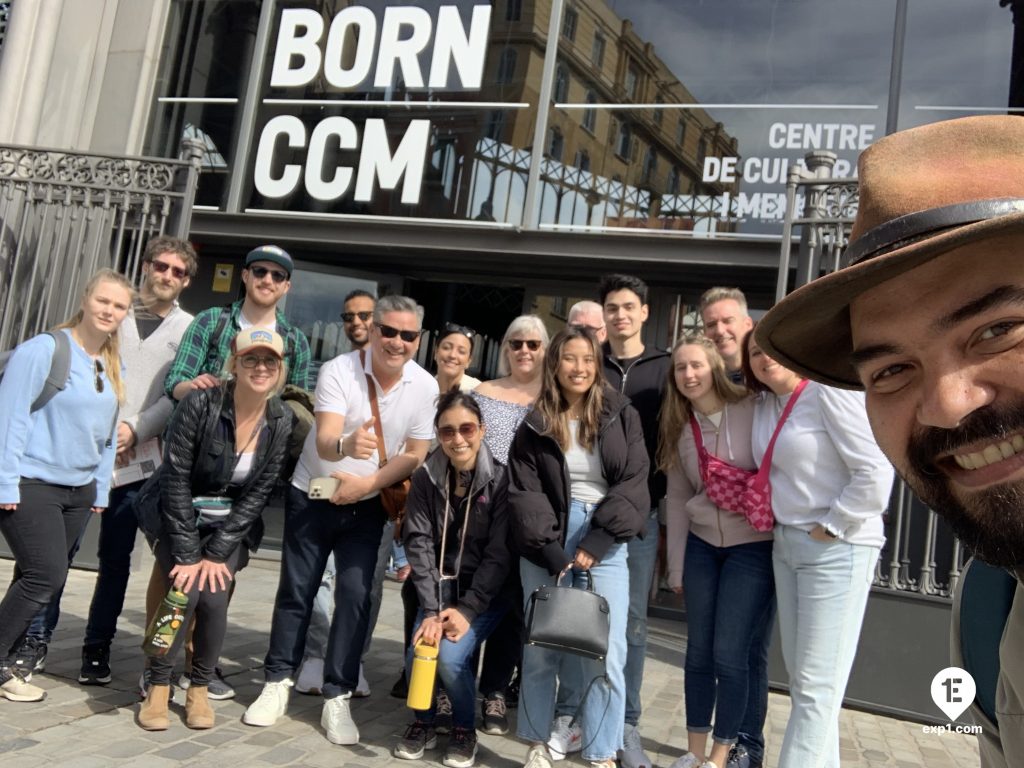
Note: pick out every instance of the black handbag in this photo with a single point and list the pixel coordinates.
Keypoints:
(570, 620)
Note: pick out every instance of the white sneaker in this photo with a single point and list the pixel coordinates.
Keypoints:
(566, 737)
(14, 687)
(689, 760)
(537, 757)
(632, 754)
(362, 687)
(270, 705)
(311, 676)
(337, 721)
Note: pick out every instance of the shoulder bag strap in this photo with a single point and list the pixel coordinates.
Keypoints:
(378, 426)
(702, 454)
(766, 462)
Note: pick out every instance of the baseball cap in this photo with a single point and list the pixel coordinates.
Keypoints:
(271, 253)
(258, 338)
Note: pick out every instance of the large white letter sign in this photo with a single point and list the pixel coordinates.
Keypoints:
(452, 42)
(291, 43)
(376, 160)
(285, 184)
(316, 184)
(358, 24)
(393, 48)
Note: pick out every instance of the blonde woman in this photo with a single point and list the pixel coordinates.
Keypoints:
(577, 493)
(56, 458)
(201, 511)
(728, 565)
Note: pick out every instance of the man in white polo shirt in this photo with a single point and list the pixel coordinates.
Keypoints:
(343, 445)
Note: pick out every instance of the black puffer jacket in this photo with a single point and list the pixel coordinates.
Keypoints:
(198, 460)
(539, 487)
(486, 560)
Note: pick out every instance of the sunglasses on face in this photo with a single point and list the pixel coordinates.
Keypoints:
(389, 333)
(98, 367)
(467, 430)
(162, 266)
(349, 317)
(270, 362)
(260, 272)
(531, 344)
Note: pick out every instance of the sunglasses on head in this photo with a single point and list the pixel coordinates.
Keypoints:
(348, 317)
(270, 362)
(162, 266)
(260, 272)
(531, 344)
(98, 367)
(469, 333)
(467, 430)
(586, 328)
(389, 333)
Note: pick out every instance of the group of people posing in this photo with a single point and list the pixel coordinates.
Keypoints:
(568, 469)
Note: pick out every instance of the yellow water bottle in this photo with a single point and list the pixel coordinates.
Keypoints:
(421, 681)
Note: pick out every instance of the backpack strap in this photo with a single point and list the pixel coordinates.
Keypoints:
(222, 323)
(60, 369)
(986, 597)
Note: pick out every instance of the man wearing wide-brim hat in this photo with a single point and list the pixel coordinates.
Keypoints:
(928, 319)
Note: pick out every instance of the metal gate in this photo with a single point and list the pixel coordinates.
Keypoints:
(63, 215)
(905, 637)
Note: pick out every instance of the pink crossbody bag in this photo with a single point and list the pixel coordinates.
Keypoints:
(744, 491)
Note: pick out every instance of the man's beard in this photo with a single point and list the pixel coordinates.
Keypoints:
(989, 521)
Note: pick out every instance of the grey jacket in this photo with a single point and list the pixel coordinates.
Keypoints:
(147, 409)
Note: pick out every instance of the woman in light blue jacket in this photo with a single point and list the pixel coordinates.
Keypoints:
(56, 459)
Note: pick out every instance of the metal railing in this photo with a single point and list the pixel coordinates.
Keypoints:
(921, 556)
(64, 214)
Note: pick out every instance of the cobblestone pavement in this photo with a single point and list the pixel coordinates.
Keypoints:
(83, 727)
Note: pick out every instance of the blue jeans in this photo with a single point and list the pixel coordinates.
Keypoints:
(726, 591)
(752, 727)
(455, 667)
(643, 555)
(822, 589)
(312, 531)
(601, 713)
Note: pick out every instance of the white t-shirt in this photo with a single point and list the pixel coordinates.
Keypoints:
(586, 476)
(406, 410)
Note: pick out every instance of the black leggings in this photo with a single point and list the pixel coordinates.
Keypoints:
(41, 533)
(211, 611)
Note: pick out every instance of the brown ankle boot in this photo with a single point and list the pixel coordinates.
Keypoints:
(153, 712)
(198, 713)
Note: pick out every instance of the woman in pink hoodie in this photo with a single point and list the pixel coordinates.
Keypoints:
(728, 581)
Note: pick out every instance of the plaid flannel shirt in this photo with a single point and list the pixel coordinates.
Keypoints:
(198, 353)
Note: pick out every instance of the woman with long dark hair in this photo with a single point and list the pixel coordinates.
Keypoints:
(577, 494)
(201, 511)
(830, 485)
(727, 579)
(455, 533)
(57, 457)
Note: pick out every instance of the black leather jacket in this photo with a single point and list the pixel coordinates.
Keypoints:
(486, 560)
(198, 461)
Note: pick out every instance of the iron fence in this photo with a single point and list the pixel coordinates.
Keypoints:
(65, 214)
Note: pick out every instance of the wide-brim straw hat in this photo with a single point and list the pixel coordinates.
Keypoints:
(923, 192)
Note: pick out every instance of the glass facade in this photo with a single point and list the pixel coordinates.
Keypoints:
(673, 116)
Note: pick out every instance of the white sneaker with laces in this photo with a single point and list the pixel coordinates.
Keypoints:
(566, 737)
(310, 679)
(537, 757)
(337, 721)
(362, 687)
(632, 754)
(689, 760)
(269, 705)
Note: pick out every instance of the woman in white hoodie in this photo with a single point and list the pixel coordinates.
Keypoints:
(728, 565)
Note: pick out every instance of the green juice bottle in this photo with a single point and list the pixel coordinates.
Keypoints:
(166, 623)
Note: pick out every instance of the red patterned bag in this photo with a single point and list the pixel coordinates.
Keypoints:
(744, 491)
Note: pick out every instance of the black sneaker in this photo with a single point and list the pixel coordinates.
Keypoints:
(738, 758)
(461, 751)
(30, 657)
(443, 712)
(495, 719)
(95, 665)
(418, 738)
(400, 690)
